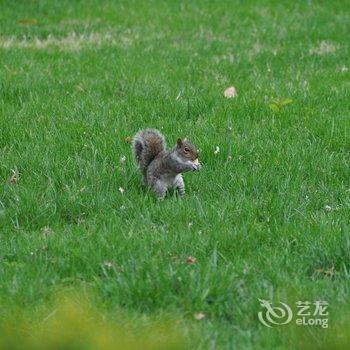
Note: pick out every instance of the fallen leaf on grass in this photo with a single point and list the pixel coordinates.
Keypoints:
(14, 177)
(276, 105)
(199, 316)
(27, 21)
(230, 92)
(191, 260)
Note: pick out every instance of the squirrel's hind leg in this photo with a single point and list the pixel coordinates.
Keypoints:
(160, 189)
(179, 184)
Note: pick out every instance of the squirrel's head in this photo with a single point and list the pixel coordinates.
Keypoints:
(186, 150)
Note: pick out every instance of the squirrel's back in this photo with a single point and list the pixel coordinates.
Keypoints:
(147, 144)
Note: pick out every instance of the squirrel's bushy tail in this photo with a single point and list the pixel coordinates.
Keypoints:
(147, 144)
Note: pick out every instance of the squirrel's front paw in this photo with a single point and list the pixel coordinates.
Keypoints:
(196, 166)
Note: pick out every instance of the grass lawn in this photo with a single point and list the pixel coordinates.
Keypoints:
(268, 216)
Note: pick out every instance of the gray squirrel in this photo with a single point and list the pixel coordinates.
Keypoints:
(162, 169)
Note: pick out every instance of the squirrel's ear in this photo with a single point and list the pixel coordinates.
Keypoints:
(179, 142)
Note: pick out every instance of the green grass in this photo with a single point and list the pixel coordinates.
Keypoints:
(88, 74)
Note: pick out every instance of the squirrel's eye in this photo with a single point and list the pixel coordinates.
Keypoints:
(187, 149)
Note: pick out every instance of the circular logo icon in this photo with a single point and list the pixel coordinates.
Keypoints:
(274, 315)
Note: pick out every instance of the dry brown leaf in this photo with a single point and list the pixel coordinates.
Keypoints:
(27, 21)
(191, 260)
(14, 177)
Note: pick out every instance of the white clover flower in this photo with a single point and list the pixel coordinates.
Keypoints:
(199, 316)
(230, 92)
(108, 264)
(328, 208)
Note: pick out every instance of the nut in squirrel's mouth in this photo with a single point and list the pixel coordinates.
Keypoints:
(196, 161)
